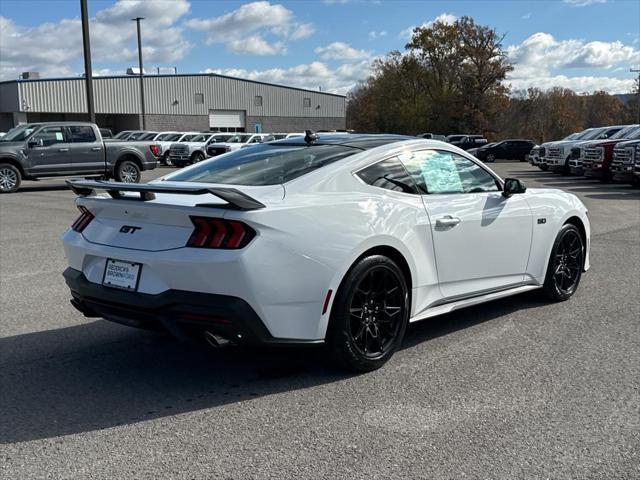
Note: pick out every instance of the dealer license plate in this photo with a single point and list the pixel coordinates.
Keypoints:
(119, 274)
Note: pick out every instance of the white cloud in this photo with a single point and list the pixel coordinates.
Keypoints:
(52, 48)
(341, 51)
(373, 34)
(309, 75)
(543, 61)
(253, 21)
(583, 3)
(447, 18)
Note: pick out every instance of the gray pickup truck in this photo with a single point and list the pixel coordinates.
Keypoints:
(52, 149)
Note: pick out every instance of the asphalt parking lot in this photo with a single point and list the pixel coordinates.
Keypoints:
(513, 389)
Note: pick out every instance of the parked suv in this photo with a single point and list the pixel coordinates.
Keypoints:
(53, 149)
(512, 149)
(597, 156)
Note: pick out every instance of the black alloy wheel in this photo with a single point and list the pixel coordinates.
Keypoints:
(565, 265)
(370, 314)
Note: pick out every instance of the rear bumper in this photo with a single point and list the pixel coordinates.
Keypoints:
(181, 313)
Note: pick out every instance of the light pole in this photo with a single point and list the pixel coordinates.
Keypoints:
(88, 74)
(637, 70)
(142, 109)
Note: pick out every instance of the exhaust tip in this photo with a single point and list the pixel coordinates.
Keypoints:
(214, 340)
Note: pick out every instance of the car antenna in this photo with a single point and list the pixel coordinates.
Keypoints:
(310, 136)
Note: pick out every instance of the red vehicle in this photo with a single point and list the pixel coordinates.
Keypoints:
(598, 154)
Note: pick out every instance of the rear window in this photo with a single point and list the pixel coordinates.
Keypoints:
(264, 164)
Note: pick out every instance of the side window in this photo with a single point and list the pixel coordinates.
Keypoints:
(306, 102)
(50, 136)
(257, 101)
(82, 134)
(441, 172)
(388, 174)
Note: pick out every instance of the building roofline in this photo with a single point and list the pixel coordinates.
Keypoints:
(29, 80)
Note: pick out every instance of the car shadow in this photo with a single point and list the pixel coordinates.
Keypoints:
(42, 188)
(99, 375)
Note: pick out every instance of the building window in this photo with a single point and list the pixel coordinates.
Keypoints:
(306, 103)
(199, 98)
(257, 101)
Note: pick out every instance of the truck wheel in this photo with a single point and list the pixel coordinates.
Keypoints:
(166, 160)
(197, 157)
(127, 172)
(10, 178)
(491, 158)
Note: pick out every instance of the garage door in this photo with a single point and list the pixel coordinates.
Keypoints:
(227, 120)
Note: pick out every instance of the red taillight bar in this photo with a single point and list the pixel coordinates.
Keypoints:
(155, 150)
(219, 233)
(83, 220)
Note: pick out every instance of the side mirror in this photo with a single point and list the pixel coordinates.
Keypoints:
(513, 186)
(33, 143)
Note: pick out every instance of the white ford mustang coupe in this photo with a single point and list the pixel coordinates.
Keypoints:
(337, 239)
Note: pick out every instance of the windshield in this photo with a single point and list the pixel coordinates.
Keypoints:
(187, 138)
(239, 139)
(625, 132)
(201, 138)
(573, 136)
(148, 136)
(20, 132)
(264, 164)
(123, 134)
(169, 137)
(136, 136)
(220, 138)
(596, 132)
(634, 135)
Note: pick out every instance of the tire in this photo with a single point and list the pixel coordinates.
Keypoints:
(197, 157)
(490, 158)
(10, 178)
(565, 264)
(544, 167)
(369, 316)
(166, 160)
(566, 169)
(127, 171)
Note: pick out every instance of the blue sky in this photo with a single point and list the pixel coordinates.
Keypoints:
(581, 44)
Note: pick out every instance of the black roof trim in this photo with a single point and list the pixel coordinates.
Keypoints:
(28, 80)
(353, 140)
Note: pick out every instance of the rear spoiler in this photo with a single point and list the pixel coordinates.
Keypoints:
(236, 199)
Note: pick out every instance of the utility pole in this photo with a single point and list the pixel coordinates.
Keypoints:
(88, 74)
(142, 109)
(637, 70)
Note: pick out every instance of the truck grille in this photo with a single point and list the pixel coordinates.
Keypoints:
(591, 155)
(555, 153)
(542, 152)
(216, 150)
(179, 149)
(622, 160)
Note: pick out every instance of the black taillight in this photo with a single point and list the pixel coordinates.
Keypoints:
(218, 233)
(83, 220)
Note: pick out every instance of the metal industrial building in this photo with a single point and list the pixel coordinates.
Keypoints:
(173, 102)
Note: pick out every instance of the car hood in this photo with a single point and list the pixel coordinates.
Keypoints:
(628, 143)
(603, 143)
(11, 145)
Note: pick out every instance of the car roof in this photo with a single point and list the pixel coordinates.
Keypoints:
(353, 140)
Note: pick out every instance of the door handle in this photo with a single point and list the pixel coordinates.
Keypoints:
(447, 222)
(96, 149)
(63, 149)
